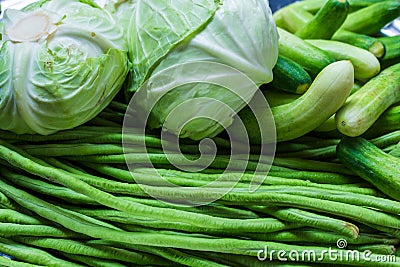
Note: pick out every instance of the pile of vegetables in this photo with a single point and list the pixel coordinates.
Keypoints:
(77, 187)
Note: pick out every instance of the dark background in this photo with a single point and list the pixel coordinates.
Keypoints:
(276, 4)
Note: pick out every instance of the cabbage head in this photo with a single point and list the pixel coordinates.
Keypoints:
(165, 35)
(62, 62)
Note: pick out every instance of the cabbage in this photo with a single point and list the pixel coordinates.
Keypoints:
(196, 63)
(62, 62)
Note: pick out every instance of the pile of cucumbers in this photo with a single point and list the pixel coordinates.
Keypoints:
(322, 44)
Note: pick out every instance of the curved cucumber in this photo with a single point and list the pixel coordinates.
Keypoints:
(366, 65)
(372, 164)
(368, 103)
(327, 20)
(325, 96)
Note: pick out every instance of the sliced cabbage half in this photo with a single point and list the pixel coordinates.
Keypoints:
(62, 62)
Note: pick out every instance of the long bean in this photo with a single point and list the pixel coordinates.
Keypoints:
(6, 203)
(118, 106)
(92, 261)
(32, 255)
(317, 177)
(224, 180)
(13, 216)
(281, 198)
(340, 208)
(330, 151)
(6, 262)
(312, 165)
(77, 133)
(179, 257)
(67, 219)
(200, 195)
(136, 190)
(316, 236)
(42, 187)
(354, 198)
(236, 260)
(81, 248)
(102, 122)
(81, 149)
(300, 145)
(125, 219)
(383, 249)
(113, 116)
(311, 220)
(214, 209)
(145, 142)
(13, 229)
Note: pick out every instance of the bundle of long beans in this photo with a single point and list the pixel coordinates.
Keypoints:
(69, 199)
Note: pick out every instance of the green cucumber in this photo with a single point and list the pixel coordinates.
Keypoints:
(326, 22)
(311, 58)
(366, 65)
(314, 5)
(290, 76)
(392, 45)
(388, 122)
(395, 151)
(293, 19)
(370, 20)
(368, 103)
(276, 97)
(325, 96)
(330, 124)
(372, 44)
(372, 164)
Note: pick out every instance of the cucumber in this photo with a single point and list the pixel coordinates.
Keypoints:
(311, 58)
(290, 76)
(372, 44)
(330, 124)
(325, 96)
(314, 5)
(293, 19)
(327, 126)
(366, 65)
(392, 45)
(388, 122)
(277, 97)
(372, 164)
(326, 22)
(370, 20)
(278, 17)
(368, 103)
(395, 151)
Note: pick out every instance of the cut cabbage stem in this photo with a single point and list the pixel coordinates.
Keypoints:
(30, 28)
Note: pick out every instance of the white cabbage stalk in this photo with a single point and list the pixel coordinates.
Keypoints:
(62, 62)
(240, 34)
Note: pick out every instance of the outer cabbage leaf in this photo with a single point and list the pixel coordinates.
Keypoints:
(241, 35)
(61, 75)
(156, 26)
